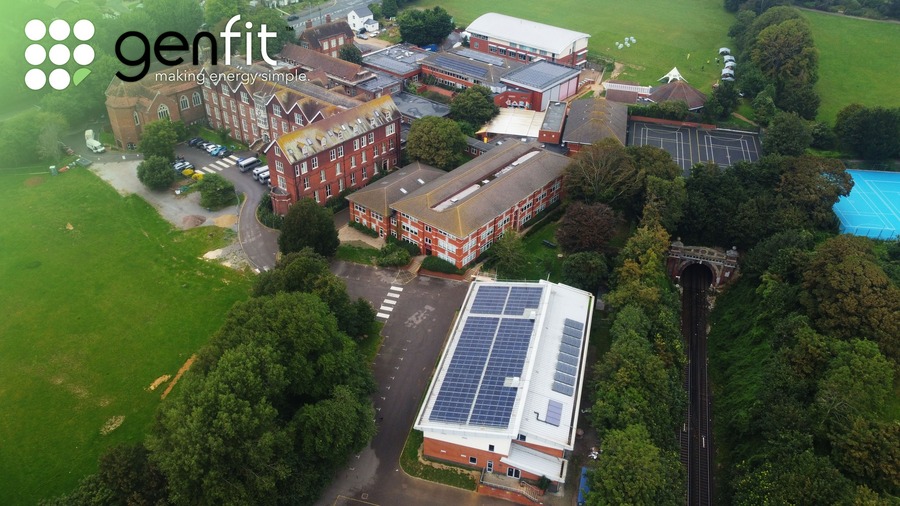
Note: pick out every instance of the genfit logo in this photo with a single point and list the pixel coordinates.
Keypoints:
(59, 53)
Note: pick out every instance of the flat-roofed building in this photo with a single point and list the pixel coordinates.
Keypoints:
(523, 40)
(464, 68)
(506, 393)
(401, 60)
(537, 85)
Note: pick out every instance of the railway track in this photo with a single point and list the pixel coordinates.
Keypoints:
(696, 435)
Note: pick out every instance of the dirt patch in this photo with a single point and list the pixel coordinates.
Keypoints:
(617, 69)
(159, 381)
(192, 220)
(184, 368)
(69, 226)
(111, 424)
(226, 221)
(232, 256)
(34, 181)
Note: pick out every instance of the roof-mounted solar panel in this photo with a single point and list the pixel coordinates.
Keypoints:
(563, 388)
(569, 349)
(566, 368)
(571, 341)
(574, 324)
(569, 331)
(564, 378)
(567, 359)
(554, 412)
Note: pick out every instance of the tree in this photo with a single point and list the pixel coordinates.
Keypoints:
(809, 188)
(585, 270)
(858, 382)
(216, 192)
(859, 450)
(786, 55)
(156, 173)
(423, 27)
(872, 133)
(631, 470)
(217, 10)
(665, 201)
(602, 172)
(176, 15)
(474, 106)
(48, 140)
(764, 105)
(787, 135)
(436, 141)
(508, 256)
(159, 139)
(308, 225)
(389, 8)
(587, 227)
(274, 22)
(350, 53)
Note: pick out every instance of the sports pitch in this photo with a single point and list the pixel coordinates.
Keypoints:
(873, 207)
(689, 145)
(101, 298)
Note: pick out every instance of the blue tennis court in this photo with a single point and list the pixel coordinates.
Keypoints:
(873, 207)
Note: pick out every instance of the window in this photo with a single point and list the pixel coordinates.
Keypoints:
(296, 171)
(376, 216)
(352, 179)
(315, 163)
(362, 141)
(556, 185)
(392, 144)
(303, 167)
(245, 98)
(340, 151)
(279, 167)
(355, 144)
(372, 137)
(233, 106)
(137, 119)
(163, 112)
(328, 191)
(389, 130)
(468, 258)
(428, 228)
(316, 195)
(365, 175)
(428, 240)
(490, 448)
(215, 99)
(352, 161)
(363, 157)
(383, 148)
(183, 102)
(196, 98)
(225, 117)
(277, 151)
(284, 127)
(281, 182)
(475, 45)
(521, 437)
(306, 183)
(276, 110)
(332, 155)
(322, 176)
(224, 89)
(359, 208)
(473, 460)
(502, 51)
(338, 169)
(409, 229)
(341, 184)
(298, 119)
(244, 125)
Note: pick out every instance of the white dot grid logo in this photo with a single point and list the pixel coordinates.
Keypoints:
(58, 52)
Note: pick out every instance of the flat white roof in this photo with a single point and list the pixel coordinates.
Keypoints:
(526, 33)
(513, 366)
(516, 122)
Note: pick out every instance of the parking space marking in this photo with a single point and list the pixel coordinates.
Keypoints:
(386, 308)
(389, 301)
(394, 295)
(397, 288)
(383, 315)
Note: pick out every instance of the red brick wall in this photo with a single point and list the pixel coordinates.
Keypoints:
(483, 46)
(458, 454)
(365, 217)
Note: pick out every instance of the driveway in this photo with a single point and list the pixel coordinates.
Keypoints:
(260, 243)
(420, 311)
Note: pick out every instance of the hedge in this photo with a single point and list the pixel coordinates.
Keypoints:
(436, 264)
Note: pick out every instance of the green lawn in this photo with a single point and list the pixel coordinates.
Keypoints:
(666, 31)
(857, 62)
(100, 297)
(543, 261)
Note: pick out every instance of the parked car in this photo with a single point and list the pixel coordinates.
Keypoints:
(225, 153)
(194, 141)
(203, 144)
(293, 17)
(216, 151)
(84, 162)
(212, 147)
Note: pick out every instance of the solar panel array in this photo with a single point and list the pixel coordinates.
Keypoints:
(461, 66)
(554, 412)
(490, 350)
(482, 57)
(567, 360)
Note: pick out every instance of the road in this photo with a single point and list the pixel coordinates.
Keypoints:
(337, 9)
(421, 314)
(696, 438)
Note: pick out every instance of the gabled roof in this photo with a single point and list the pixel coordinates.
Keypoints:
(337, 68)
(679, 90)
(379, 195)
(362, 11)
(313, 35)
(323, 135)
(141, 94)
(528, 33)
(442, 204)
(593, 119)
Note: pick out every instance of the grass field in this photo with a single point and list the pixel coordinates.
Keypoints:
(100, 298)
(666, 31)
(857, 62)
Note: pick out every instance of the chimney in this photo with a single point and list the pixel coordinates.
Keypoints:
(308, 24)
(328, 18)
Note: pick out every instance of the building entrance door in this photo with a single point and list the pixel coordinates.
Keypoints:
(512, 472)
(490, 466)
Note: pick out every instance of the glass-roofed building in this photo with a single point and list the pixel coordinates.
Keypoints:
(505, 395)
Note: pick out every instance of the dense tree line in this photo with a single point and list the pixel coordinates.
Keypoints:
(423, 27)
(803, 356)
(876, 9)
(270, 409)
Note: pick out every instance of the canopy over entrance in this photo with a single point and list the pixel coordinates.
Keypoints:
(673, 75)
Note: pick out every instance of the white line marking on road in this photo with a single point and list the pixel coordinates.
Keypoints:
(223, 164)
(386, 308)
(397, 288)
(394, 295)
(383, 315)
(208, 170)
(389, 301)
(232, 158)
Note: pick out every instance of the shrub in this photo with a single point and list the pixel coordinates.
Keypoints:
(393, 255)
(216, 192)
(364, 229)
(436, 264)
(155, 173)
(413, 249)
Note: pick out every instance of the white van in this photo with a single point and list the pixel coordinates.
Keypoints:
(264, 178)
(259, 170)
(248, 163)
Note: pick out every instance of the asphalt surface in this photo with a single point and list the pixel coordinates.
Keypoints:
(414, 335)
(335, 8)
(260, 243)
